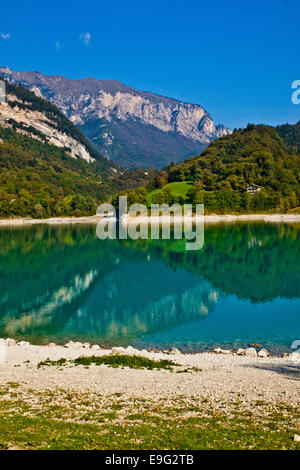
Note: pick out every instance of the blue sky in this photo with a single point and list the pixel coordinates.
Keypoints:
(236, 58)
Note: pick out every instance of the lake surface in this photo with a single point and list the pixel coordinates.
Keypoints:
(60, 283)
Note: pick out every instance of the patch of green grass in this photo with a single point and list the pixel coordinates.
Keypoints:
(65, 419)
(143, 431)
(177, 188)
(189, 369)
(13, 384)
(134, 362)
(48, 362)
(180, 188)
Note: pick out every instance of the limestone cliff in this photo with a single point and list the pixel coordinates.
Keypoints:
(133, 128)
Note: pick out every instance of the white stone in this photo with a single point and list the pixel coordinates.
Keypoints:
(72, 344)
(10, 342)
(263, 353)
(222, 351)
(250, 352)
(174, 351)
(86, 345)
(95, 347)
(130, 350)
(23, 343)
(240, 352)
(118, 350)
(295, 356)
(296, 438)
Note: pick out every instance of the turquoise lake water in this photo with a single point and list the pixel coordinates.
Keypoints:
(60, 282)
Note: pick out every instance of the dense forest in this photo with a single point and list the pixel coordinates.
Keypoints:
(219, 177)
(41, 180)
(291, 136)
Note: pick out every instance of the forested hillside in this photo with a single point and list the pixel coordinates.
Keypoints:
(47, 166)
(219, 177)
(42, 180)
(291, 135)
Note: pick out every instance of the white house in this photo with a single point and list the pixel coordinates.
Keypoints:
(253, 188)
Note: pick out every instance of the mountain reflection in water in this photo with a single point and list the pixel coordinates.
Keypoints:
(60, 283)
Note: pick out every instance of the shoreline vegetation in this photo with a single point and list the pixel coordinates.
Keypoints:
(93, 219)
(85, 397)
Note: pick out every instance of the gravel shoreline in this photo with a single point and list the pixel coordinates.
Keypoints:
(218, 377)
(213, 218)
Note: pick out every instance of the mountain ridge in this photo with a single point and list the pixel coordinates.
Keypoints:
(123, 123)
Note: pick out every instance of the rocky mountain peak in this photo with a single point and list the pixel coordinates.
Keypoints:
(131, 127)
